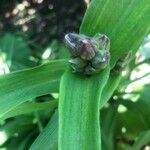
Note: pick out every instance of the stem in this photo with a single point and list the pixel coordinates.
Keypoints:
(79, 127)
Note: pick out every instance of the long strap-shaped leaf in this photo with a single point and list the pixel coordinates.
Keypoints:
(30, 107)
(125, 22)
(79, 111)
(48, 139)
(18, 87)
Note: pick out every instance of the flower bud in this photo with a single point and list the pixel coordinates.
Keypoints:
(80, 45)
(100, 60)
(89, 55)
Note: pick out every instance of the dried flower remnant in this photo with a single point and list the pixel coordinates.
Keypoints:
(89, 55)
(121, 64)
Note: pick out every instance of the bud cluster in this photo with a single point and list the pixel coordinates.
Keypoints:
(89, 55)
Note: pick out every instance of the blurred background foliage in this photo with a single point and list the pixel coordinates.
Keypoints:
(29, 28)
(31, 33)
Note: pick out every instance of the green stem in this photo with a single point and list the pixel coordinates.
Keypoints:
(79, 127)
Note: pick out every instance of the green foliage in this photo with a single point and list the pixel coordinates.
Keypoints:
(128, 127)
(29, 84)
(79, 110)
(125, 22)
(17, 52)
(30, 107)
(94, 112)
(48, 139)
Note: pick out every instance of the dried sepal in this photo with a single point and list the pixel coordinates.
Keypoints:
(121, 64)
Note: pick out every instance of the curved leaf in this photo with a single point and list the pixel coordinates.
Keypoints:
(18, 87)
(143, 139)
(29, 107)
(125, 22)
(48, 139)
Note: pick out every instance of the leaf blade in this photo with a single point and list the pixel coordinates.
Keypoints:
(141, 140)
(30, 107)
(120, 21)
(48, 139)
(79, 110)
(18, 87)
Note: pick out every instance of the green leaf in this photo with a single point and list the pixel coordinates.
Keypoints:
(111, 85)
(24, 143)
(29, 107)
(132, 118)
(108, 124)
(79, 110)
(19, 126)
(18, 87)
(16, 51)
(143, 139)
(48, 139)
(137, 113)
(125, 22)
